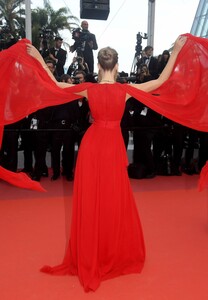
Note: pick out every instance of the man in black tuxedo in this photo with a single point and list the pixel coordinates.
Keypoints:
(84, 45)
(69, 122)
(39, 130)
(9, 148)
(149, 60)
(58, 55)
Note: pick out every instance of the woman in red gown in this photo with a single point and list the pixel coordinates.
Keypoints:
(106, 237)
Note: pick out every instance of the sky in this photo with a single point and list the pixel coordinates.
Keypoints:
(126, 19)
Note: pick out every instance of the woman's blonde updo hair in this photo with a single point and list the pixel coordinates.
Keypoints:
(107, 58)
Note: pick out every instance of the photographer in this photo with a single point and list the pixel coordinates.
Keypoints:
(143, 75)
(69, 124)
(43, 48)
(63, 118)
(85, 43)
(78, 64)
(148, 59)
(45, 35)
(146, 123)
(58, 55)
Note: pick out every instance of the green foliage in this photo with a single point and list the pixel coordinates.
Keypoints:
(55, 20)
(14, 16)
(13, 13)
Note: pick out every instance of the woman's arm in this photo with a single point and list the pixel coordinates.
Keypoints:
(154, 84)
(32, 51)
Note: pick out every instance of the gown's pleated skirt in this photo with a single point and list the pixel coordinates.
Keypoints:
(106, 237)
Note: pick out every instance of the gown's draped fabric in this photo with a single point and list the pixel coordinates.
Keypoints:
(20, 180)
(106, 238)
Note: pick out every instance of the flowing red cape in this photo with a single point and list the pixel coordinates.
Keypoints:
(26, 87)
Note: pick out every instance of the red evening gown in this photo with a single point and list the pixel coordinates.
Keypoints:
(106, 235)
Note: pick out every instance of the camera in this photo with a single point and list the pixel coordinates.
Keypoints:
(80, 37)
(46, 33)
(76, 34)
(79, 60)
(124, 78)
(75, 80)
(4, 29)
(139, 38)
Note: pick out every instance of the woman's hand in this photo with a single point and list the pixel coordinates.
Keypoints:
(32, 51)
(155, 84)
(179, 43)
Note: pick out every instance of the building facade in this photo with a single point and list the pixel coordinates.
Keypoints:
(200, 23)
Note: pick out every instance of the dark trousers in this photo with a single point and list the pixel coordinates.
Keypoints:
(66, 137)
(125, 134)
(142, 154)
(169, 140)
(28, 146)
(42, 140)
(193, 136)
(9, 149)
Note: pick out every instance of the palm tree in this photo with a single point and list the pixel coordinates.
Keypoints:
(12, 13)
(48, 22)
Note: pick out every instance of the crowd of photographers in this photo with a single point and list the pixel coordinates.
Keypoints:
(160, 146)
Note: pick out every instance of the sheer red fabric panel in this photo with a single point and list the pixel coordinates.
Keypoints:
(26, 86)
(183, 97)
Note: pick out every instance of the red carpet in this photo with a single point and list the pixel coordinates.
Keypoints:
(34, 227)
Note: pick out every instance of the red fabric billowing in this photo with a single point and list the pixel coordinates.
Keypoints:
(183, 97)
(20, 180)
(26, 87)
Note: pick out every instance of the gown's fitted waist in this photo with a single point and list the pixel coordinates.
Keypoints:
(107, 124)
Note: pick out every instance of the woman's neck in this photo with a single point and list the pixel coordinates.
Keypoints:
(107, 75)
(107, 80)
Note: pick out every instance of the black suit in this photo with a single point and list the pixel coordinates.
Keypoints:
(66, 117)
(28, 141)
(147, 127)
(60, 55)
(9, 149)
(42, 140)
(153, 67)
